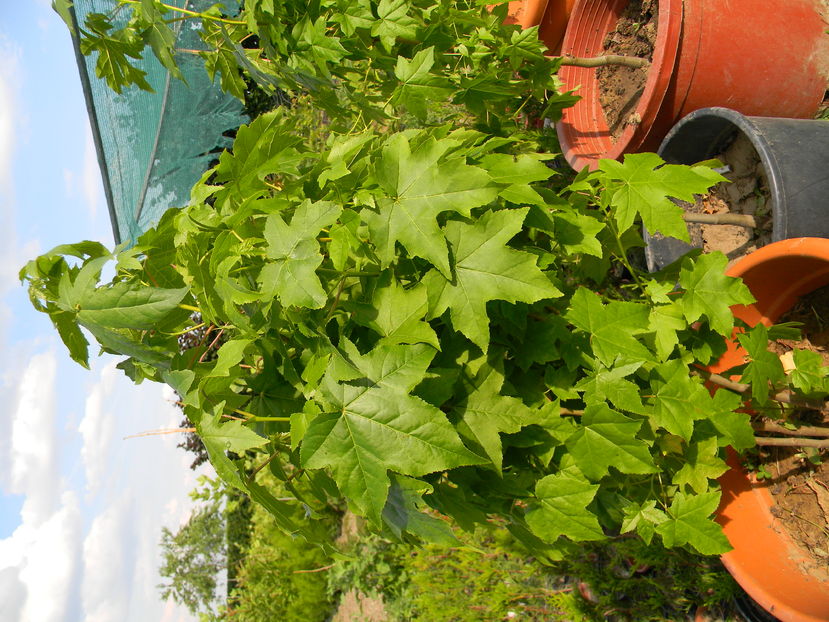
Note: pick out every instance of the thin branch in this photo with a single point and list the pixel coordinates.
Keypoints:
(785, 396)
(192, 14)
(320, 569)
(294, 475)
(741, 220)
(160, 432)
(210, 347)
(722, 381)
(336, 301)
(262, 466)
(768, 426)
(348, 272)
(792, 442)
(607, 59)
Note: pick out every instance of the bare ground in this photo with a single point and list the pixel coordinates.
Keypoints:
(355, 606)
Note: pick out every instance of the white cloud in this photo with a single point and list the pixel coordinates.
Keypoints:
(97, 428)
(40, 562)
(10, 118)
(9, 79)
(50, 570)
(121, 553)
(12, 594)
(105, 585)
(68, 183)
(91, 185)
(51, 564)
(34, 468)
(40, 558)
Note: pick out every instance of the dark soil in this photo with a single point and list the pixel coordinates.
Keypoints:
(746, 194)
(621, 87)
(812, 311)
(800, 488)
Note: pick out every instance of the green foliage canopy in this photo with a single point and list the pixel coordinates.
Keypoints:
(421, 314)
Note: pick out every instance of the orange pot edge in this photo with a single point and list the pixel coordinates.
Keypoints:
(765, 561)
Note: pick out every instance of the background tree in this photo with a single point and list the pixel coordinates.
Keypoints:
(193, 558)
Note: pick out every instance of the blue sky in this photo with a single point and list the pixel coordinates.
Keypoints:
(81, 507)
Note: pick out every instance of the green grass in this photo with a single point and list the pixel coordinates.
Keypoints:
(489, 577)
(272, 582)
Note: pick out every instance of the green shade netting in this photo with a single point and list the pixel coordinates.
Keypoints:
(152, 147)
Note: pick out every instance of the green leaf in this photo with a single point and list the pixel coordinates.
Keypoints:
(376, 425)
(610, 385)
(159, 35)
(577, 232)
(612, 327)
(264, 147)
(542, 341)
(522, 194)
(356, 14)
(113, 64)
(400, 315)
(418, 86)
(295, 254)
(488, 414)
(690, 523)
(809, 373)
(561, 509)
(344, 150)
(300, 422)
(317, 43)
(733, 428)
(280, 510)
(418, 186)
(403, 512)
(230, 355)
(509, 169)
(607, 438)
(703, 464)
(129, 305)
(118, 343)
(222, 59)
(645, 187)
(72, 337)
(84, 283)
(64, 9)
(679, 400)
(709, 292)
(485, 269)
(394, 21)
(665, 321)
(643, 518)
(219, 438)
(764, 369)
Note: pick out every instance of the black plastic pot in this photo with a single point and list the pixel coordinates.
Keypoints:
(793, 152)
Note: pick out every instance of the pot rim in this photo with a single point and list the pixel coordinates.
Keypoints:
(745, 125)
(765, 560)
(525, 13)
(582, 131)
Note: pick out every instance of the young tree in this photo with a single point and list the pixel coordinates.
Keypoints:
(193, 558)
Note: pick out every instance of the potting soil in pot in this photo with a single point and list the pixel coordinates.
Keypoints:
(746, 194)
(621, 87)
(799, 487)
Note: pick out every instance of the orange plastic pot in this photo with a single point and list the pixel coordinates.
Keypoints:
(525, 13)
(551, 17)
(554, 24)
(765, 561)
(759, 57)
